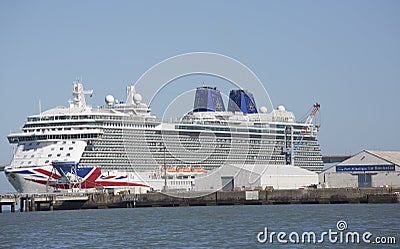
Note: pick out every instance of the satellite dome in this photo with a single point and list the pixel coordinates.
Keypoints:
(137, 98)
(109, 99)
(263, 109)
(281, 108)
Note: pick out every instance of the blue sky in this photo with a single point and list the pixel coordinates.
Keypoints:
(343, 54)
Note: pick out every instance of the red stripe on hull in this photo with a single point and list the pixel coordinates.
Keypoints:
(93, 181)
(122, 184)
(88, 184)
(47, 173)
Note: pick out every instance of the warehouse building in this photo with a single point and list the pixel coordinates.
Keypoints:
(231, 177)
(366, 169)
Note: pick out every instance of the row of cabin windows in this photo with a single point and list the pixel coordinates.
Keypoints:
(52, 149)
(48, 137)
(58, 129)
(59, 154)
(47, 161)
(112, 124)
(77, 117)
(63, 142)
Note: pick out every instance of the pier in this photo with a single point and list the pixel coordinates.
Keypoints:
(8, 200)
(41, 202)
(70, 201)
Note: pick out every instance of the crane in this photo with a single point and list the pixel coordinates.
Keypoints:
(305, 128)
(291, 146)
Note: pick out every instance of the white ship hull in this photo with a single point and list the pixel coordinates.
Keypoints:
(36, 180)
(125, 145)
(46, 179)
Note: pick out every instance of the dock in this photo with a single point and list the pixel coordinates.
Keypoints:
(8, 200)
(70, 201)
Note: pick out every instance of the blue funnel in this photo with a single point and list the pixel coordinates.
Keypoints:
(241, 101)
(208, 99)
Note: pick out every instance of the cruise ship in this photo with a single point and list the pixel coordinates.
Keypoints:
(123, 146)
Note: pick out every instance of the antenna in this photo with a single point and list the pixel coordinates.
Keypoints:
(40, 108)
(79, 94)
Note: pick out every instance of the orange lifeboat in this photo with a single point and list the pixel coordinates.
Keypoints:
(198, 171)
(171, 171)
(184, 172)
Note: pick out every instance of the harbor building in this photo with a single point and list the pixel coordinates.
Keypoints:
(235, 177)
(365, 169)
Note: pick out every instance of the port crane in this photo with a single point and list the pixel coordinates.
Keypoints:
(295, 145)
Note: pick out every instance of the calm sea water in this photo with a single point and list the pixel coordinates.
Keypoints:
(193, 227)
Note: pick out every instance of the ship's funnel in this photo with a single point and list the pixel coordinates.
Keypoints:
(242, 101)
(208, 99)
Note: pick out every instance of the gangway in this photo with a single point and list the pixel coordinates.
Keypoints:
(68, 171)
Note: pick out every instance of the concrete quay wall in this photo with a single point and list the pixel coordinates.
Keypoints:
(41, 202)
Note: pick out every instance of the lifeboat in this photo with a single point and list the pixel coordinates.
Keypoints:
(171, 171)
(198, 171)
(184, 172)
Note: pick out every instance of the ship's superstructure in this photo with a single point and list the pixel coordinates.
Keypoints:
(126, 141)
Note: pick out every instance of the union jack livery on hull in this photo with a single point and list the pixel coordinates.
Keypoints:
(67, 176)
